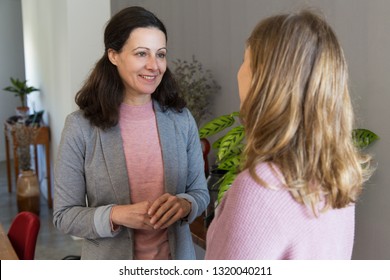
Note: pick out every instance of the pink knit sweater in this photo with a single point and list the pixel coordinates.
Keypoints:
(254, 222)
(144, 163)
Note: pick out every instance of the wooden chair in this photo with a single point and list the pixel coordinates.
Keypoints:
(23, 234)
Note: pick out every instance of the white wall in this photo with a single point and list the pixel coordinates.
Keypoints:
(11, 59)
(215, 31)
(63, 40)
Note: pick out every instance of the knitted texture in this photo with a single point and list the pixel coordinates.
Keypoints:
(254, 222)
(146, 174)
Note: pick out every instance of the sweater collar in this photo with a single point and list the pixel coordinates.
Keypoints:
(137, 112)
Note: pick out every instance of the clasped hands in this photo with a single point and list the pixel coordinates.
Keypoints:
(163, 212)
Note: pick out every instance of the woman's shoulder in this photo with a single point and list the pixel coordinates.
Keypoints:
(75, 116)
(267, 172)
(76, 121)
(182, 118)
(247, 196)
(246, 189)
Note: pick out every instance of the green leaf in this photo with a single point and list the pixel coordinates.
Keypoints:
(231, 139)
(363, 137)
(217, 143)
(11, 89)
(231, 164)
(227, 182)
(234, 151)
(216, 125)
(217, 184)
(20, 89)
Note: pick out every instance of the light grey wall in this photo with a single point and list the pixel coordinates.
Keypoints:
(215, 31)
(11, 59)
(63, 40)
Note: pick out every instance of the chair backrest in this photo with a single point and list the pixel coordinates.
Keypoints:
(205, 149)
(23, 234)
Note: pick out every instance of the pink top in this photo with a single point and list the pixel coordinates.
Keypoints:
(144, 163)
(254, 222)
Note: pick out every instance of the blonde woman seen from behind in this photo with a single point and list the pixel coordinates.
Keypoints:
(302, 175)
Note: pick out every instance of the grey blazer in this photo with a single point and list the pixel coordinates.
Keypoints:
(90, 177)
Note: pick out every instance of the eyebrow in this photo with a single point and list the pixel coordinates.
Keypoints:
(163, 48)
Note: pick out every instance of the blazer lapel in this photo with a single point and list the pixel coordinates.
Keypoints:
(112, 147)
(166, 130)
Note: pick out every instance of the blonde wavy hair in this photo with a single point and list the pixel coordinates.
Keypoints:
(298, 113)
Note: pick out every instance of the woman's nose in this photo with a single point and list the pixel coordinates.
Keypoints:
(152, 63)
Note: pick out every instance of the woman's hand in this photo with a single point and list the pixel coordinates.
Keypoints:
(167, 209)
(132, 216)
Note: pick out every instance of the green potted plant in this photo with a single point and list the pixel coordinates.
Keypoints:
(21, 90)
(196, 86)
(229, 147)
(228, 158)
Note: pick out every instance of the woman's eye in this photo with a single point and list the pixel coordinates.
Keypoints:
(162, 55)
(142, 54)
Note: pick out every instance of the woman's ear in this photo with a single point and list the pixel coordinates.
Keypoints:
(112, 55)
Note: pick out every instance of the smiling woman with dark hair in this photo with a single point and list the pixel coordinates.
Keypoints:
(129, 176)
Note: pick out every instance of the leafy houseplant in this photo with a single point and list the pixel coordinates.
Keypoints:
(196, 85)
(21, 90)
(229, 147)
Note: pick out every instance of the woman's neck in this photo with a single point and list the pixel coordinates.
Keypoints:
(137, 100)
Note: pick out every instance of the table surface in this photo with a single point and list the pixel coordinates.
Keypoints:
(7, 252)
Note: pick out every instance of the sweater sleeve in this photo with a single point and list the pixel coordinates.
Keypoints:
(248, 223)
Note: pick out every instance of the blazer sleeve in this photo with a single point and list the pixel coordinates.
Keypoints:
(196, 186)
(71, 213)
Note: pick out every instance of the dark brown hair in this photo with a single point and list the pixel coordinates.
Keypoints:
(103, 91)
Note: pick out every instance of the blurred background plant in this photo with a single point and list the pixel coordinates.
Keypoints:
(20, 89)
(196, 85)
(27, 184)
(363, 137)
(25, 136)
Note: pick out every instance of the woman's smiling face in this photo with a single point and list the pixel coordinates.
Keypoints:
(141, 63)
